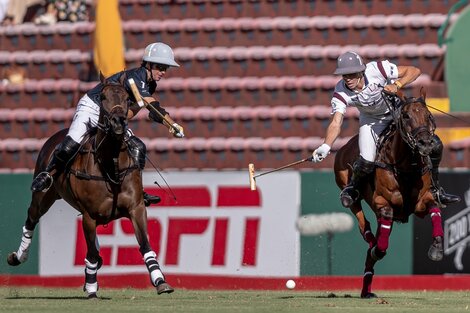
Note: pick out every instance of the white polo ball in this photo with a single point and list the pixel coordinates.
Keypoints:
(290, 284)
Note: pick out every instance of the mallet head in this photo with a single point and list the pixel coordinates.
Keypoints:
(251, 173)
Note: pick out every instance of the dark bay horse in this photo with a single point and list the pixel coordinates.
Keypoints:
(103, 183)
(401, 183)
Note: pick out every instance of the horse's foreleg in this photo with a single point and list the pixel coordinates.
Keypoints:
(40, 204)
(384, 228)
(364, 225)
(436, 250)
(139, 221)
(93, 260)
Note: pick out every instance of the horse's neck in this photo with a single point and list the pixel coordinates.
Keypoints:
(109, 150)
(396, 152)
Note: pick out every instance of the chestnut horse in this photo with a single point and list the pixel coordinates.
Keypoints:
(103, 183)
(401, 183)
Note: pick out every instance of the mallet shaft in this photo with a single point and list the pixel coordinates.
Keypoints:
(283, 167)
(142, 102)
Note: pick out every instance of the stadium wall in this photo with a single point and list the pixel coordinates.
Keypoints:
(219, 228)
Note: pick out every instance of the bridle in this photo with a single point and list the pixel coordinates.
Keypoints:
(396, 105)
(106, 124)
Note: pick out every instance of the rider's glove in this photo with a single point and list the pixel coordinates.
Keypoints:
(179, 133)
(320, 153)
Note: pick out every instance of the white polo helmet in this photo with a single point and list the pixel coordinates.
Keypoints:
(161, 53)
(349, 63)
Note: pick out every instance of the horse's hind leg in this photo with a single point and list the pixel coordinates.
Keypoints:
(377, 252)
(40, 204)
(436, 250)
(139, 221)
(93, 260)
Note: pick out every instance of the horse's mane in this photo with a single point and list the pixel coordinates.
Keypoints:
(90, 133)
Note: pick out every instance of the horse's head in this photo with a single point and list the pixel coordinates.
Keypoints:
(115, 104)
(416, 124)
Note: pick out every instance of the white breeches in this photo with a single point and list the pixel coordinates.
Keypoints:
(369, 132)
(87, 111)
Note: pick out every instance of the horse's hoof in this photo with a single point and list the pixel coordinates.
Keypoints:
(436, 250)
(368, 295)
(12, 259)
(164, 287)
(92, 296)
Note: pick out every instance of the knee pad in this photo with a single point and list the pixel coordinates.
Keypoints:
(137, 150)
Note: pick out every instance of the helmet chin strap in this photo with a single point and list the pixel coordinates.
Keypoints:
(357, 83)
(148, 68)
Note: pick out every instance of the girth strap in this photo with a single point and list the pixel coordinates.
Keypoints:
(86, 176)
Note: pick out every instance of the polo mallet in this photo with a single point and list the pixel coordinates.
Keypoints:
(143, 103)
(251, 171)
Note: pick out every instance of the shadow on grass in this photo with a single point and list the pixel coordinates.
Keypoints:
(55, 298)
(328, 296)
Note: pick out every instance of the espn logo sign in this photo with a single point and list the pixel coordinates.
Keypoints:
(192, 213)
(216, 225)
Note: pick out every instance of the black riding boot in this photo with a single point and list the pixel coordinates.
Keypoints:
(361, 170)
(138, 151)
(438, 192)
(64, 153)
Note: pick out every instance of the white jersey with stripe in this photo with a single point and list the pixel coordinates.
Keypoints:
(369, 100)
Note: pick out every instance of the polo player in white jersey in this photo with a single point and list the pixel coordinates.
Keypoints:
(361, 86)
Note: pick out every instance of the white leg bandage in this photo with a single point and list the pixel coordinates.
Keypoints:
(26, 238)
(153, 267)
(91, 283)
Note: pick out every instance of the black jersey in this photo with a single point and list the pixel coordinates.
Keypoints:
(146, 88)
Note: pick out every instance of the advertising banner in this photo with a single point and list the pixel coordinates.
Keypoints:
(456, 224)
(207, 223)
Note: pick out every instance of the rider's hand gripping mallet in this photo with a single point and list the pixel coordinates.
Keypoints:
(142, 103)
(251, 171)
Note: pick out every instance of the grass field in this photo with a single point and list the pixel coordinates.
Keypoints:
(67, 300)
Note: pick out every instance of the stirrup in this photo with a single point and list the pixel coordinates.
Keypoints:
(43, 182)
(150, 199)
(348, 196)
(444, 198)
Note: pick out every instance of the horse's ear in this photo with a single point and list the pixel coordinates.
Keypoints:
(422, 92)
(123, 78)
(102, 78)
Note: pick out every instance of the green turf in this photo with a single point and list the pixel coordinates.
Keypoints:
(17, 300)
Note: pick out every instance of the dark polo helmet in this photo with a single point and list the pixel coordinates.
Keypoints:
(349, 63)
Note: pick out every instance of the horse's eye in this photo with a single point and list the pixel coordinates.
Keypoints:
(406, 116)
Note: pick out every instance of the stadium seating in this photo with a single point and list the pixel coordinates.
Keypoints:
(255, 80)
(143, 10)
(243, 31)
(236, 61)
(211, 91)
